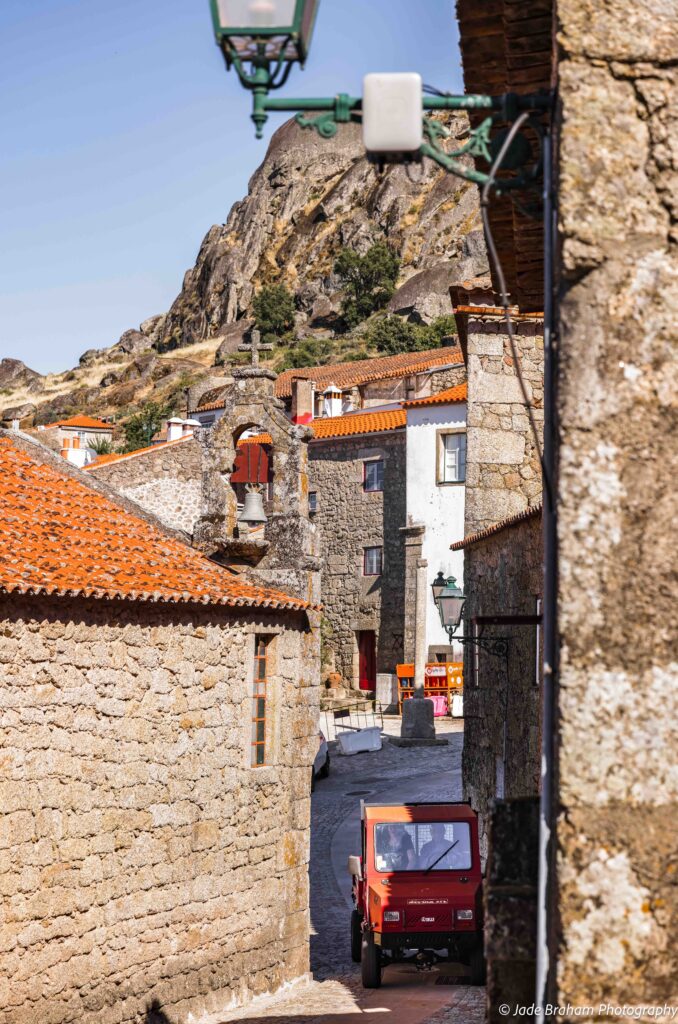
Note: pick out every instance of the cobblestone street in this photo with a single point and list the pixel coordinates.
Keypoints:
(334, 994)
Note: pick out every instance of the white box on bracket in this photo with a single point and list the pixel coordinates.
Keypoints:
(393, 113)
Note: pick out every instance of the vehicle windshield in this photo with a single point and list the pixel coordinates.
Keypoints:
(422, 846)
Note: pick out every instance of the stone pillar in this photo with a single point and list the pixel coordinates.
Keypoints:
(420, 627)
(617, 700)
(413, 535)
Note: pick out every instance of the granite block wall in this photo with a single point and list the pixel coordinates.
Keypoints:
(349, 519)
(617, 738)
(166, 482)
(501, 755)
(142, 859)
(503, 475)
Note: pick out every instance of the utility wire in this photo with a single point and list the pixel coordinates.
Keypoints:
(499, 271)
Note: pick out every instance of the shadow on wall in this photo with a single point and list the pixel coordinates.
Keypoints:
(155, 1014)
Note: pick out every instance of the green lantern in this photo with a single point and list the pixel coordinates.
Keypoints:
(276, 31)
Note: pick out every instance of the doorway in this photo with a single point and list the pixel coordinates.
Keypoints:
(367, 659)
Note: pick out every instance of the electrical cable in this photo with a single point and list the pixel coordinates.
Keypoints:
(499, 271)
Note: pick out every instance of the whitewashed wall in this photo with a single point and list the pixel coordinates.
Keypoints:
(440, 508)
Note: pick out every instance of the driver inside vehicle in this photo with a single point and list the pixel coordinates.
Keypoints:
(395, 849)
(441, 851)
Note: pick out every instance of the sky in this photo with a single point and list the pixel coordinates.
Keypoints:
(125, 139)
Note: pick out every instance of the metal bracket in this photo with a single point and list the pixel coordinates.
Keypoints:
(498, 646)
(324, 114)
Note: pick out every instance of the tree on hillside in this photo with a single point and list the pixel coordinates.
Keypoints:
(392, 334)
(273, 309)
(309, 352)
(369, 281)
(141, 427)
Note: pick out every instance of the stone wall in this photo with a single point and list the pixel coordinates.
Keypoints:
(166, 482)
(501, 756)
(503, 475)
(349, 519)
(617, 700)
(142, 859)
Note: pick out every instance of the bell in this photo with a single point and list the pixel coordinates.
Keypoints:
(253, 509)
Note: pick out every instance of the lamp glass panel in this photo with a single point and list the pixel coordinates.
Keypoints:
(450, 610)
(254, 14)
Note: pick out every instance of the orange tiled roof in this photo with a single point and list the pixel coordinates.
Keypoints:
(83, 422)
(346, 375)
(358, 423)
(455, 394)
(504, 524)
(105, 460)
(59, 536)
(344, 426)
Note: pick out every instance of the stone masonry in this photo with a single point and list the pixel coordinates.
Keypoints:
(502, 747)
(349, 519)
(166, 482)
(618, 701)
(503, 475)
(143, 862)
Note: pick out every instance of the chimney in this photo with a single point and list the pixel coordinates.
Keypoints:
(175, 428)
(302, 400)
(332, 401)
(188, 426)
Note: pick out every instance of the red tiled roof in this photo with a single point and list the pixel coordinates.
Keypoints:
(83, 422)
(455, 394)
(59, 536)
(105, 460)
(358, 423)
(346, 375)
(344, 426)
(489, 531)
(362, 371)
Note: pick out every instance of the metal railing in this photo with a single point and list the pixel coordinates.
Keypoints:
(351, 716)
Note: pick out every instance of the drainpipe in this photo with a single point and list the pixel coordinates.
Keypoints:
(546, 881)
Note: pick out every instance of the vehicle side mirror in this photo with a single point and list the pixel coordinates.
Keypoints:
(355, 867)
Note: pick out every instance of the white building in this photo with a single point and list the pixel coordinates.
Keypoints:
(436, 475)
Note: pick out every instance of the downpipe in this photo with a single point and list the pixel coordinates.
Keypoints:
(546, 877)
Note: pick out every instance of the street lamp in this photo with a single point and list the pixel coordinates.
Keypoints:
(450, 601)
(262, 39)
(270, 36)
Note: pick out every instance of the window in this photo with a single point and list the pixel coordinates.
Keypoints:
(372, 564)
(312, 501)
(259, 701)
(373, 475)
(421, 846)
(452, 466)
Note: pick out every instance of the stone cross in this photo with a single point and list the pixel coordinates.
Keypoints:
(255, 347)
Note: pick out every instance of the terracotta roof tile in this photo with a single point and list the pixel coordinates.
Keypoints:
(362, 371)
(489, 531)
(345, 426)
(83, 422)
(358, 423)
(59, 536)
(455, 394)
(346, 375)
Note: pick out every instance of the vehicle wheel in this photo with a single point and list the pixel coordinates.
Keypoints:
(312, 780)
(325, 770)
(356, 935)
(370, 962)
(477, 965)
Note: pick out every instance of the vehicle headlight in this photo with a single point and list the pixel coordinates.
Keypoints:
(391, 915)
(464, 915)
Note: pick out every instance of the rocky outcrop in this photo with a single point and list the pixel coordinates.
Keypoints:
(310, 198)
(15, 374)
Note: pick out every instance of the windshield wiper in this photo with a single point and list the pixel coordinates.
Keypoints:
(429, 868)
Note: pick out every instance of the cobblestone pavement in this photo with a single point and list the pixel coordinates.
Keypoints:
(333, 994)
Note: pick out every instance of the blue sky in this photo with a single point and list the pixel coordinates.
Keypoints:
(124, 139)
